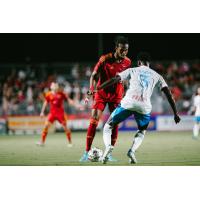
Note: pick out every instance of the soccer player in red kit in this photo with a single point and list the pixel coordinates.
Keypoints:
(108, 66)
(56, 100)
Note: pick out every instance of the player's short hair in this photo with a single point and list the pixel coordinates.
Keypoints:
(121, 40)
(144, 57)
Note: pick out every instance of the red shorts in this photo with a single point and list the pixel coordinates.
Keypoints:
(60, 117)
(100, 104)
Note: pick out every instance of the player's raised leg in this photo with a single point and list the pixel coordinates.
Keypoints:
(142, 121)
(117, 116)
(96, 114)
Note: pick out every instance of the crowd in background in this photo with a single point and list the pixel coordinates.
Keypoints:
(22, 87)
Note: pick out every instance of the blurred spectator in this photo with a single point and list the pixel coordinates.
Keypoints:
(68, 88)
(176, 92)
(88, 72)
(23, 87)
(75, 72)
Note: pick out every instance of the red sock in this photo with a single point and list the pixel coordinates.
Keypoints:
(114, 135)
(44, 134)
(91, 133)
(69, 138)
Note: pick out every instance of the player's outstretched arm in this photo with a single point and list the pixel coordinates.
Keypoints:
(107, 83)
(43, 108)
(171, 101)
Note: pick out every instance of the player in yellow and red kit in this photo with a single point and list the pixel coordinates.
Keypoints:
(56, 100)
(108, 66)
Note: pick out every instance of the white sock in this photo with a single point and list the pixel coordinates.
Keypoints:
(196, 130)
(107, 132)
(137, 140)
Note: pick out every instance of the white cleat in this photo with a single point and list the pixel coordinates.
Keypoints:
(70, 145)
(132, 157)
(106, 154)
(40, 144)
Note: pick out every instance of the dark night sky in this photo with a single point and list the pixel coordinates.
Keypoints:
(84, 47)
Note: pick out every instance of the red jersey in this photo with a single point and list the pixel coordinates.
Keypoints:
(107, 68)
(56, 101)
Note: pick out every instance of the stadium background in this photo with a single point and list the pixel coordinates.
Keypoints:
(30, 62)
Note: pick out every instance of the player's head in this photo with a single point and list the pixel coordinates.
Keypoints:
(143, 58)
(54, 87)
(121, 46)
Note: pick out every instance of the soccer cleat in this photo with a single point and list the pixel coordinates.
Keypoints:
(84, 157)
(40, 144)
(132, 157)
(106, 154)
(111, 159)
(70, 145)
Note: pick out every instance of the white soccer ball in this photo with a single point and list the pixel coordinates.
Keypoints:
(95, 154)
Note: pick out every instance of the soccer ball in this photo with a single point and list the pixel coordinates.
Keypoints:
(95, 154)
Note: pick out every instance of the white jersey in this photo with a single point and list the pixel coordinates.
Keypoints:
(197, 105)
(141, 84)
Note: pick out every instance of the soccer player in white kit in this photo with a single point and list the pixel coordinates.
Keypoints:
(197, 114)
(137, 102)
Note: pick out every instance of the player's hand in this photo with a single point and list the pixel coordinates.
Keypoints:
(89, 94)
(41, 114)
(177, 119)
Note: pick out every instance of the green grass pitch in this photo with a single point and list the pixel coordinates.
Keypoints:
(157, 149)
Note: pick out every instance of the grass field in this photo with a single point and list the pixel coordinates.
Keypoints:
(166, 148)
